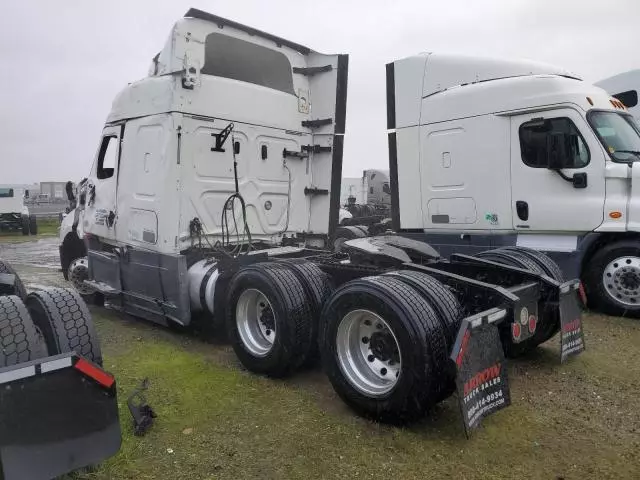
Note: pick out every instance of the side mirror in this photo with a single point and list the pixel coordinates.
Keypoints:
(579, 180)
(69, 189)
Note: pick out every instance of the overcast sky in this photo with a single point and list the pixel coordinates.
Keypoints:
(64, 60)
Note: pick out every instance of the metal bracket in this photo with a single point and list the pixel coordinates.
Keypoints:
(141, 412)
(315, 191)
(290, 153)
(221, 138)
(310, 71)
(317, 123)
(315, 148)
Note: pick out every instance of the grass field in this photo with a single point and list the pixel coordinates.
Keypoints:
(579, 420)
(216, 421)
(46, 227)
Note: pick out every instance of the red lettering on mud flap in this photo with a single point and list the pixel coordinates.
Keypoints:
(572, 334)
(481, 377)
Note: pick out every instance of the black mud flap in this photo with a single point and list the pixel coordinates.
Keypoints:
(572, 335)
(57, 414)
(481, 371)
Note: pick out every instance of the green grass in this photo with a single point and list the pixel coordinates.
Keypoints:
(579, 420)
(46, 227)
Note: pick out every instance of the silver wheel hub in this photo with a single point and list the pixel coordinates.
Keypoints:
(621, 280)
(78, 273)
(256, 322)
(368, 353)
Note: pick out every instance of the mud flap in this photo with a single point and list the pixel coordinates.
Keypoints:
(57, 414)
(572, 335)
(481, 373)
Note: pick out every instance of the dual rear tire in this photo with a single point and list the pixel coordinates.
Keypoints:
(549, 321)
(384, 341)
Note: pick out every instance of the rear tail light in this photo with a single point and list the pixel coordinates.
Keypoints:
(91, 371)
(516, 330)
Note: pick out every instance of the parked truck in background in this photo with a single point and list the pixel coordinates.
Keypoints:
(215, 191)
(624, 87)
(513, 153)
(14, 214)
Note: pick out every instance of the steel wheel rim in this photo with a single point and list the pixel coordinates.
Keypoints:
(255, 320)
(370, 371)
(621, 280)
(78, 273)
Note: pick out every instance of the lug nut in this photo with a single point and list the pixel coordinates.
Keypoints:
(367, 322)
(383, 371)
(379, 326)
(268, 332)
(365, 339)
(371, 358)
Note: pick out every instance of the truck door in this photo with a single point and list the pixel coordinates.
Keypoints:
(100, 203)
(557, 173)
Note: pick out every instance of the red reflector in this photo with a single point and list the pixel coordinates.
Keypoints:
(583, 294)
(532, 323)
(515, 330)
(90, 370)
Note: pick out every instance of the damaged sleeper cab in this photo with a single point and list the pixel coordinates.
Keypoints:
(214, 191)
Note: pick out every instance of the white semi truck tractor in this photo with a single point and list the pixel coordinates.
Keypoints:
(215, 190)
(492, 153)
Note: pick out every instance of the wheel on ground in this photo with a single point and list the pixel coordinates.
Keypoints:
(78, 272)
(65, 322)
(19, 339)
(318, 288)
(20, 290)
(550, 267)
(550, 325)
(344, 233)
(439, 296)
(269, 321)
(545, 324)
(33, 225)
(383, 349)
(612, 279)
(25, 225)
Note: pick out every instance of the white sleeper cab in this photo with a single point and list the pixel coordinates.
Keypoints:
(498, 153)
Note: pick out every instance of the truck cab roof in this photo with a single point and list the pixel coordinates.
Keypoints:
(512, 95)
(203, 50)
(428, 74)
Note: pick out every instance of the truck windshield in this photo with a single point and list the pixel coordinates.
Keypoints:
(619, 133)
(6, 192)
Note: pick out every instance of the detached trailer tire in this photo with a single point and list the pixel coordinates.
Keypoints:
(383, 349)
(269, 320)
(65, 322)
(19, 339)
(20, 290)
(612, 279)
